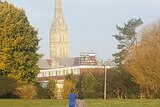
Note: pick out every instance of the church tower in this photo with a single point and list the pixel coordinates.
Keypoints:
(58, 36)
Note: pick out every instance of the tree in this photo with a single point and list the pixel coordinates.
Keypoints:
(143, 62)
(79, 82)
(69, 82)
(126, 37)
(71, 78)
(51, 86)
(120, 85)
(67, 86)
(88, 85)
(18, 44)
(99, 88)
(42, 92)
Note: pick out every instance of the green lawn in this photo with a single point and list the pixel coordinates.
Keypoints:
(89, 103)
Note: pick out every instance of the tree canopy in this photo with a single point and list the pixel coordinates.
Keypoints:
(126, 37)
(143, 63)
(18, 44)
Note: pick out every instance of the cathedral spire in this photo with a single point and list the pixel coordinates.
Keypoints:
(58, 9)
(58, 35)
(58, 15)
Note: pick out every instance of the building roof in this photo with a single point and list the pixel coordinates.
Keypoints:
(62, 62)
(67, 61)
(44, 63)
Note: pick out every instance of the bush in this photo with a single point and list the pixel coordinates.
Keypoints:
(66, 88)
(45, 92)
(42, 93)
(7, 86)
(26, 91)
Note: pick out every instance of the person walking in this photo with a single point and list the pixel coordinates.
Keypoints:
(72, 98)
(80, 102)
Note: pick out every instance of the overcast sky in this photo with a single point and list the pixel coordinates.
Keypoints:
(91, 23)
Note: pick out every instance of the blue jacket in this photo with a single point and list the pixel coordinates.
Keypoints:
(72, 99)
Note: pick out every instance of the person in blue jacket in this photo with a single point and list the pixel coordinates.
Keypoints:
(72, 98)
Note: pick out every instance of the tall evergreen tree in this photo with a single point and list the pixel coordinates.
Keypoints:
(126, 37)
(18, 44)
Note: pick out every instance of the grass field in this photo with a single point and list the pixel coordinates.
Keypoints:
(89, 103)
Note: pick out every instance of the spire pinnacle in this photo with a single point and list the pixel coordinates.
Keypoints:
(58, 16)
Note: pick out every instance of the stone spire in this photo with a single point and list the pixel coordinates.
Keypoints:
(58, 16)
(58, 10)
(58, 35)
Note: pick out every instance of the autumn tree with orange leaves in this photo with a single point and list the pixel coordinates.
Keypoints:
(143, 60)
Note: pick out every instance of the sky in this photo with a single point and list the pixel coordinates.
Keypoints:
(91, 23)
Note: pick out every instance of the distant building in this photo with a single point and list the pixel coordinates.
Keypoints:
(59, 74)
(87, 58)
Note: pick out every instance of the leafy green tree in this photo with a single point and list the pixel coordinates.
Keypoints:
(71, 78)
(18, 44)
(51, 86)
(99, 88)
(99, 84)
(79, 82)
(120, 85)
(88, 85)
